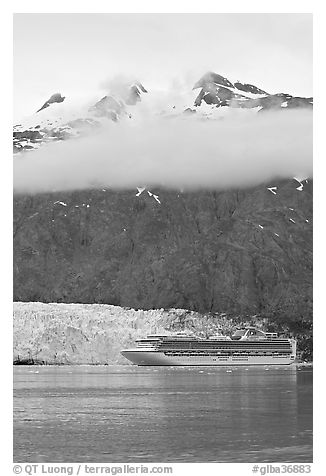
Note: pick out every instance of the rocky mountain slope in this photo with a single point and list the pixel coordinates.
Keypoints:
(244, 250)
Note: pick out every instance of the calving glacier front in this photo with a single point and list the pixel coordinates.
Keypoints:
(248, 346)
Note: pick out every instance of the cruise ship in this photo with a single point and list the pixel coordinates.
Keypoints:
(247, 346)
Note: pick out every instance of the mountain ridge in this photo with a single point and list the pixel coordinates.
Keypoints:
(216, 93)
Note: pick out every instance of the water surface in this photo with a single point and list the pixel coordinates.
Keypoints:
(162, 414)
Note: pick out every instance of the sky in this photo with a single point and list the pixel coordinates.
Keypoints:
(76, 53)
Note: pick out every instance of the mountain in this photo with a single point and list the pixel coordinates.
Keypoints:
(60, 118)
(243, 252)
(229, 251)
(55, 98)
(219, 91)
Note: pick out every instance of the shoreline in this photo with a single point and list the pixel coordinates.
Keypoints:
(294, 364)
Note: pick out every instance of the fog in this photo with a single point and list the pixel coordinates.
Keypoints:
(180, 152)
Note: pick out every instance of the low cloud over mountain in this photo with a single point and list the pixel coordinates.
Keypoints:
(240, 150)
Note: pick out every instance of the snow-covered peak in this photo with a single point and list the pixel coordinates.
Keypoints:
(61, 117)
(212, 97)
(55, 98)
(218, 91)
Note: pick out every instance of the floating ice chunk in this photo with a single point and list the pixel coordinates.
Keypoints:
(272, 189)
(61, 203)
(140, 191)
(300, 188)
(291, 208)
(307, 221)
(292, 220)
(260, 226)
(284, 104)
(87, 206)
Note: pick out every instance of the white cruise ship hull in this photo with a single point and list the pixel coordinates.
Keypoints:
(147, 357)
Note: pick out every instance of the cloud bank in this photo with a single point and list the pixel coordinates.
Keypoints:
(239, 151)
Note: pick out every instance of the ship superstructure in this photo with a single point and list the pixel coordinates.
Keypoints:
(247, 346)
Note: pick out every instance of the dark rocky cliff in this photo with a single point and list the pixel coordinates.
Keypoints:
(245, 251)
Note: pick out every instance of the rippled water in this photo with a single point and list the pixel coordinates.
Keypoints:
(164, 414)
